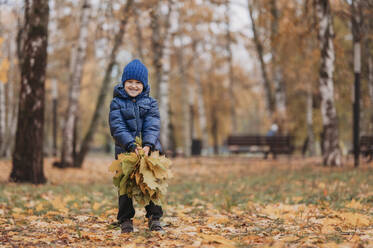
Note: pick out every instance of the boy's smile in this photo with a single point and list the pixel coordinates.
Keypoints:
(133, 87)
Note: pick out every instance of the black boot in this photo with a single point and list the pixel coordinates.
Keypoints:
(154, 224)
(126, 226)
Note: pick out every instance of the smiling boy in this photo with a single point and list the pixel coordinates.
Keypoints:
(133, 113)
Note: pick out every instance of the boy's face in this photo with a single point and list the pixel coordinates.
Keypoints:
(133, 87)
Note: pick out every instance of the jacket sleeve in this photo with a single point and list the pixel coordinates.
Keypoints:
(118, 127)
(151, 125)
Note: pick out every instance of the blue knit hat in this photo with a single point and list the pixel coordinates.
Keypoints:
(136, 70)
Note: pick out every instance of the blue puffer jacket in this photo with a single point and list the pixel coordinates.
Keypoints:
(130, 117)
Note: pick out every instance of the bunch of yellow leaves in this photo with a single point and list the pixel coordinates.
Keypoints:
(142, 177)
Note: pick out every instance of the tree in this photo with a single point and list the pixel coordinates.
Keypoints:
(28, 154)
(330, 140)
(67, 159)
(230, 65)
(277, 74)
(357, 21)
(200, 100)
(84, 148)
(260, 52)
(160, 25)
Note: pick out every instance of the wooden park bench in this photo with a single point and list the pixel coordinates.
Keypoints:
(366, 147)
(278, 144)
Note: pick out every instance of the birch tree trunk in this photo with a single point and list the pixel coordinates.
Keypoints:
(12, 117)
(2, 117)
(370, 82)
(28, 154)
(332, 153)
(259, 49)
(185, 99)
(164, 109)
(54, 113)
(230, 66)
(309, 119)
(277, 75)
(368, 45)
(84, 148)
(140, 40)
(161, 62)
(201, 104)
(356, 20)
(67, 158)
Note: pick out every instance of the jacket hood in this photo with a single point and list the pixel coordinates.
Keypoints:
(120, 92)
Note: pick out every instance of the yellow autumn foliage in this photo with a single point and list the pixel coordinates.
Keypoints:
(141, 177)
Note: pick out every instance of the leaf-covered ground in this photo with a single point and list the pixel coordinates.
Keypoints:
(212, 202)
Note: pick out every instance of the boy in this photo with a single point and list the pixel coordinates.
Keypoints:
(133, 113)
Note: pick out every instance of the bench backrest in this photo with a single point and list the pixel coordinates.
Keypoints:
(260, 140)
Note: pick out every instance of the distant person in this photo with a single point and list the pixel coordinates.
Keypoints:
(134, 113)
(273, 130)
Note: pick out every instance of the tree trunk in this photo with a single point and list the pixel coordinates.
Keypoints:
(161, 61)
(11, 119)
(310, 135)
(67, 158)
(140, 40)
(185, 99)
(230, 66)
(201, 103)
(356, 20)
(28, 154)
(332, 153)
(259, 49)
(157, 48)
(84, 148)
(54, 114)
(368, 46)
(2, 117)
(370, 84)
(277, 75)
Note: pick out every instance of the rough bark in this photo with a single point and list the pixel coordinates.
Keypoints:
(84, 148)
(330, 143)
(228, 44)
(28, 154)
(67, 158)
(259, 50)
(277, 75)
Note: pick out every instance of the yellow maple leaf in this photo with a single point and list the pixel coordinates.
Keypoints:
(115, 166)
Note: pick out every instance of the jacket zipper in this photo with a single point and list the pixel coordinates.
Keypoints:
(137, 118)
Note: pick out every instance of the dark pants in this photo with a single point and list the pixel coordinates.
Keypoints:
(126, 210)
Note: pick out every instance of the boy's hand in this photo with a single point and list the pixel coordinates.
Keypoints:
(146, 150)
